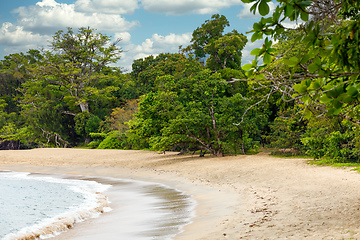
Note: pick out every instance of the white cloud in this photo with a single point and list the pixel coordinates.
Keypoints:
(124, 36)
(292, 24)
(13, 35)
(107, 6)
(49, 16)
(178, 7)
(246, 14)
(14, 39)
(153, 46)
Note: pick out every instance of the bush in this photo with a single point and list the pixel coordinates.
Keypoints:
(112, 141)
(334, 140)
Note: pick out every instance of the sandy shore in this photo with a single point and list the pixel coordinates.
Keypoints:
(239, 197)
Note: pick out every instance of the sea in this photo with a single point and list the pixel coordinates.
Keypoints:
(41, 206)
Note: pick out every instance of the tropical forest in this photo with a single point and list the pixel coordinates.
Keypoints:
(299, 96)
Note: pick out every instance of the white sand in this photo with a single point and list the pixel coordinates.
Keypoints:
(240, 197)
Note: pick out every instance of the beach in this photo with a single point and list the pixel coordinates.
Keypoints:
(238, 197)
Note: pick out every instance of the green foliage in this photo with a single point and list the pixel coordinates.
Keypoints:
(86, 123)
(324, 74)
(332, 139)
(209, 31)
(286, 132)
(78, 67)
(112, 141)
(224, 51)
(146, 71)
(192, 110)
(72, 79)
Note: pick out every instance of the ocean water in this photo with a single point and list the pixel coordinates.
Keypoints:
(43, 206)
(34, 206)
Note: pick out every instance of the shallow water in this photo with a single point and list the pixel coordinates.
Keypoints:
(30, 204)
(141, 210)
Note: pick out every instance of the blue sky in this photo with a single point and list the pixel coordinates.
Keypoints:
(147, 27)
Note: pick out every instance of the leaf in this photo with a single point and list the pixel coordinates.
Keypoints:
(352, 92)
(261, 76)
(304, 16)
(291, 62)
(247, 67)
(325, 99)
(313, 67)
(255, 51)
(267, 58)
(347, 99)
(315, 85)
(264, 8)
(257, 26)
(256, 36)
(305, 59)
(336, 92)
(304, 4)
(337, 111)
(337, 104)
(317, 60)
(253, 7)
(289, 9)
(300, 88)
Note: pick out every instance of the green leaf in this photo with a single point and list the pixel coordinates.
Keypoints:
(337, 111)
(253, 7)
(289, 9)
(264, 8)
(267, 58)
(337, 104)
(260, 76)
(315, 85)
(300, 88)
(336, 92)
(304, 4)
(313, 67)
(257, 26)
(352, 92)
(304, 16)
(305, 59)
(247, 67)
(256, 36)
(317, 60)
(255, 51)
(347, 99)
(325, 99)
(291, 62)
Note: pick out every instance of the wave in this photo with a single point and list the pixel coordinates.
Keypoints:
(95, 203)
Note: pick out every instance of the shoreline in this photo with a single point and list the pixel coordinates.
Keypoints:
(239, 197)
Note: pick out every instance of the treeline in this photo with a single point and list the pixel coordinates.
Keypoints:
(299, 96)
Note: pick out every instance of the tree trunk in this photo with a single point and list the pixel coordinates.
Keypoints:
(84, 107)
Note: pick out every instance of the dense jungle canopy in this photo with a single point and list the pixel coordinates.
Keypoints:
(299, 95)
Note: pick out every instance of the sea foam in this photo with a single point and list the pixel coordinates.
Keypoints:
(40, 207)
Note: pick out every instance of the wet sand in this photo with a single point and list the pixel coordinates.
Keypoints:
(239, 197)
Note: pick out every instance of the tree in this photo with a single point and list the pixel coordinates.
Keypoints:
(191, 110)
(208, 32)
(74, 78)
(145, 71)
(223, 51)
(327, 82)
(77, 65)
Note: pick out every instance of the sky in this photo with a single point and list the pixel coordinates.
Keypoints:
(146, 27)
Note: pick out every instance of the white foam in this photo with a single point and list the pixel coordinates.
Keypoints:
(95, 203)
